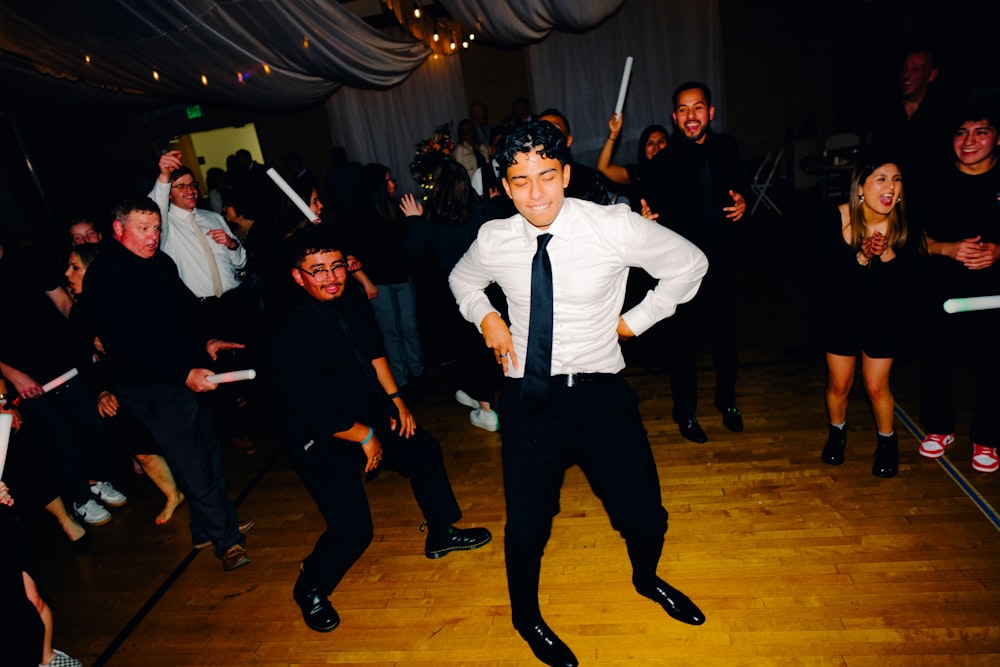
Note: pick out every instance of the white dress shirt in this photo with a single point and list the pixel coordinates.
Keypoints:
(591, 251)
(178, 239)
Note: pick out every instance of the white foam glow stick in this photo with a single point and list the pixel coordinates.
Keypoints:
(972, 303)
(6, 421)
(62, 379)
(292, 194)
(232, 376)
(624, 86)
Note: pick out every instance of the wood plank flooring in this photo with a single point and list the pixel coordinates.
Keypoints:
(794, 562)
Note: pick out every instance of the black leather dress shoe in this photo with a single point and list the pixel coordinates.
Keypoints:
(547, 646)
(675, 603)
(691, 429)
(455, 539)
(317, 611)
(732, 418)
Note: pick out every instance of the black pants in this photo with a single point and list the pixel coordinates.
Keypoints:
(331, 470)
(597, 426)
(945, 339)
(713, 316)
(185, 430)
(77, 442)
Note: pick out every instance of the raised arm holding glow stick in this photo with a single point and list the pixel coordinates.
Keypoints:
(296, 199)
(624, 86)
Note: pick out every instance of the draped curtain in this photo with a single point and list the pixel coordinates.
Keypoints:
(579, 72)
(670, 41)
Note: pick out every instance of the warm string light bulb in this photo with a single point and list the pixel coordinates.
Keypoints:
(86, 58)
(156, 75)
(437, 37)
(204, 80)
(267, 68)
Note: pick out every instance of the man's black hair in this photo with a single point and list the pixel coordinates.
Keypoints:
(308, 240)
(537, 136)
(692, 85)
(552, 111)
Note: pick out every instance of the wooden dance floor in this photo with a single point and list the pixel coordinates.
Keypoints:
(793, 561)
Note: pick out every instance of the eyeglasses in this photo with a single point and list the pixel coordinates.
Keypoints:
(193, 185)
(322, 274)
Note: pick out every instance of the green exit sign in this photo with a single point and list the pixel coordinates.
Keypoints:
(194, 112)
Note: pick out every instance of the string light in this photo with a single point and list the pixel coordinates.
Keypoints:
(267, 68)
(465, 44)
(472, 36)
(204, 80)
(305, 42)
(437, 37)
(86, 58)
(156, 75)
(416, 10)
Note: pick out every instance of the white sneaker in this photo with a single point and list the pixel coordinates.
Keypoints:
(934, 444)
(60, 659)
(108, 494)
(466, 400)
(92, 512)
(485, 419)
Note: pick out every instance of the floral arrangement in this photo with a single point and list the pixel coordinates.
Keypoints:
(431, 152)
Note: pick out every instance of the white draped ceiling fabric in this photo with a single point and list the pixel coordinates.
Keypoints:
(576, 54)
(268, 55)
(382, 92)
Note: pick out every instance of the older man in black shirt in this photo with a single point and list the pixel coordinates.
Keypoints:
(343, 410)
(144, 316)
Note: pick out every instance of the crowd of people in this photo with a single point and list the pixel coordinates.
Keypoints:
(527, 267)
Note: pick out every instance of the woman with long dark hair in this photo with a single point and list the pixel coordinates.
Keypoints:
(442, 230)
(374, 234)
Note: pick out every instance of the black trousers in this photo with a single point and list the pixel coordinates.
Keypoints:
(331, 470)
(185, 430)
(946, 340)
(713, 316)
(597, 426)
(75, 438)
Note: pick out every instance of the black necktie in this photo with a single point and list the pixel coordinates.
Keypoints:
(538, 365)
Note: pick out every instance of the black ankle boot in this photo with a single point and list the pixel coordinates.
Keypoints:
(886, 456)
(833, 451)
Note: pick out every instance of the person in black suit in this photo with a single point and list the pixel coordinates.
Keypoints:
(343, 411)
(694, 189)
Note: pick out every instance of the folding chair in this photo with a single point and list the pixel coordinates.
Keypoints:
(761, 182)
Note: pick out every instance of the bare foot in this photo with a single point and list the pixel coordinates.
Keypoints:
(168, 510)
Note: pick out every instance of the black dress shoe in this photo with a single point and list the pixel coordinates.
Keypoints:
(691, 429)
(836, 442)
(675, 603)
(732, 418)
(455, 539)
(317, 611)
(547, 646)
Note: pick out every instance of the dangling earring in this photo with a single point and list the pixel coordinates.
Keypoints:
(898, 199)
(861, 198)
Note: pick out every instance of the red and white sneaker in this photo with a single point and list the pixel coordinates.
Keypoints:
(984, 459)
(934, 444)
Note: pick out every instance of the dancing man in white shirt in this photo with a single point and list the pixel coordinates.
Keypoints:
(564, 400)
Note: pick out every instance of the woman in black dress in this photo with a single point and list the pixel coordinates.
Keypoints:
(868, 268)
